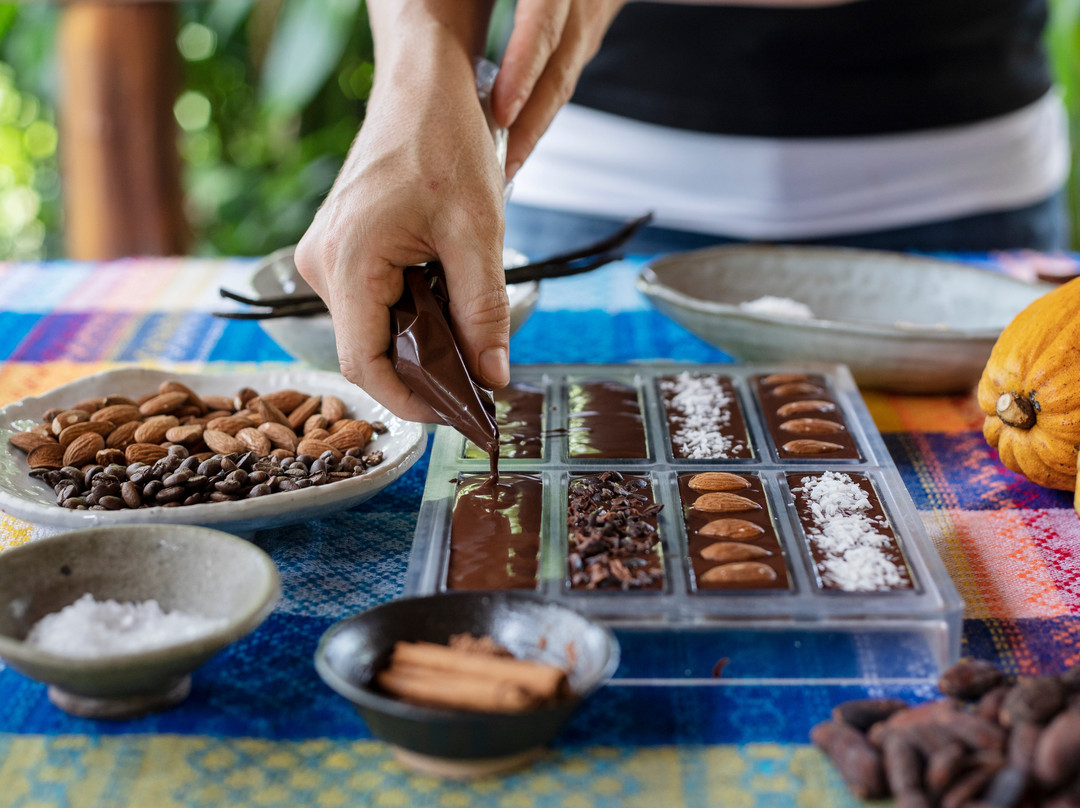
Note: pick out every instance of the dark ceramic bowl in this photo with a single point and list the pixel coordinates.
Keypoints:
(352, 650)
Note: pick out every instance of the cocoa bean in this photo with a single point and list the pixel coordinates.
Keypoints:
(1020, 749)
(970, 679)
(903, 764)
(989, 706)
(944, 766)
(1036, 698)
(1057, 753)
(1007, 789)
(968, 787)
(857, 761)
(864, 713)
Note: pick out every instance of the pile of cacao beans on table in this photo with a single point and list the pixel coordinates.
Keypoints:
(987, 742)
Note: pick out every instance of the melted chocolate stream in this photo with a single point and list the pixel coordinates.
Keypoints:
(427, 358)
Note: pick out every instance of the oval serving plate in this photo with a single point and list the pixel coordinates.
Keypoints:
(311, 339)
(26, 498)
(903, 323)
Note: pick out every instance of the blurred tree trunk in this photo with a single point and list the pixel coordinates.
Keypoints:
(120, 165)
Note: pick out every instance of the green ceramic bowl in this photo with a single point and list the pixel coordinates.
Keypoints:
(192, 569)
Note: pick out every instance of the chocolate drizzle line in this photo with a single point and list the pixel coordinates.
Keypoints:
(611, 525)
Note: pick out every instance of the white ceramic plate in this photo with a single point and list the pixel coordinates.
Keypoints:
(311, 339)
(899, 322)
(32, 500)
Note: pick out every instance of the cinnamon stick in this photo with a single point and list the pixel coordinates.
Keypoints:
(542, 681)
(455, 691)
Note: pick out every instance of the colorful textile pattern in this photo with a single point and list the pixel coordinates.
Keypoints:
(260, 727)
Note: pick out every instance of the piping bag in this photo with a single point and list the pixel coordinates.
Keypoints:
(426, 357)
(422, 346)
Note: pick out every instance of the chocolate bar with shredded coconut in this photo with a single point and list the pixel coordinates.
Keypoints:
(704, 419)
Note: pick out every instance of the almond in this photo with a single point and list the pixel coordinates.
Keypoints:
(69, 434)
(727, 552)
(222, 442)
(731, 529)
(316, 421)
(153, 429)
(28, 441)
(308, 408)
(230, 424)
(123, 436)
(218, 403)
(281, 437)
(804, 406)
(285, 400)
(784, 378)
(806, 446)
(309, 446)
(187, 435)
(269, 411)
(356, 434)
(724, 502)
(111, 401)
(333, 408)
(811, 425)
(193, 398)
(215, 413)
(51, 413)
(163, 403)
(741, 572)
(90, 405)
(280, 454)
(83, 449)
(317, 434)
(117, 413)
(67, 418)
(242, 397)
(144, 452)
(46, 456)
(108, 456)
(717, 481)
(254, 440)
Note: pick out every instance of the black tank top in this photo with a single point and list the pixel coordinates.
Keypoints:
(863, 68)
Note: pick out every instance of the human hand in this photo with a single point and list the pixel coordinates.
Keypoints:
(421, 182)
(550, 44)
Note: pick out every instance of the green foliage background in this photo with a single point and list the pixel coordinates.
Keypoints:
(274, 93)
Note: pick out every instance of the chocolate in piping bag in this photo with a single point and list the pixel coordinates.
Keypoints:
(426, 357)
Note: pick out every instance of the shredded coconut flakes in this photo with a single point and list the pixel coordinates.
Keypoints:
(703, 411)
(854, 549)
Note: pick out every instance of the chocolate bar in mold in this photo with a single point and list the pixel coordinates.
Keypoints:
(605, 420)
(613, 541)
(731, 537)
(703, 416)
(519, 412)
(804, 419)
(495, 533)
(851, 543)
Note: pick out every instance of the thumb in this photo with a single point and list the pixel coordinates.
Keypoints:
(480, 315)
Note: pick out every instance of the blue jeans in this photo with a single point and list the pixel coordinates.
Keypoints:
(539, 232)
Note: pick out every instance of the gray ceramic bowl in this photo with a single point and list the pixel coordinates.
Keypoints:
(455, 742)
(192, 569)
(311, 339)
(900, 322)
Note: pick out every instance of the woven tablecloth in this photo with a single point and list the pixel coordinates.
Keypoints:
(260, 728)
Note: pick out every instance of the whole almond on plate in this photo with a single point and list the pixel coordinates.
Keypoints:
(185, 434)
(144, 452)
(82, 451)
(153, 429)
(69, 433)
(117, 414)
(254, 440)
(724, 502)
(281, 437)
(269, 411)
(242, 397)
(113, 400)
(718, 481)
(67, 418)
(46, 456)
(28, 441)
(317, 434)
(222, 442)
(219, 403)
(299, 416)
(90, 405)
(316, 421)
(309, 446)
(229, 424)
(193, 398)
(285, 400)
(355, 434)
(333, 408)
(107, 456)
(163, 403)
(123, 436)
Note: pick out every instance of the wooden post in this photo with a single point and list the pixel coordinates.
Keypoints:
(120, 167)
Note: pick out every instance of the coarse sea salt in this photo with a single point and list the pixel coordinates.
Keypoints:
(89, 628)
(702, 410)
(778, 307)
(853, 547)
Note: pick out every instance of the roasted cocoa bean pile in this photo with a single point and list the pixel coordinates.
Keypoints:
(174, 447)
(612, 533)
(988, 742)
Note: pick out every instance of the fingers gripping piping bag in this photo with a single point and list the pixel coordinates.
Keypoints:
(426, 357)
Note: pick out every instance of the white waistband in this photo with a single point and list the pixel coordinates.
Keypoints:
(771, 188)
